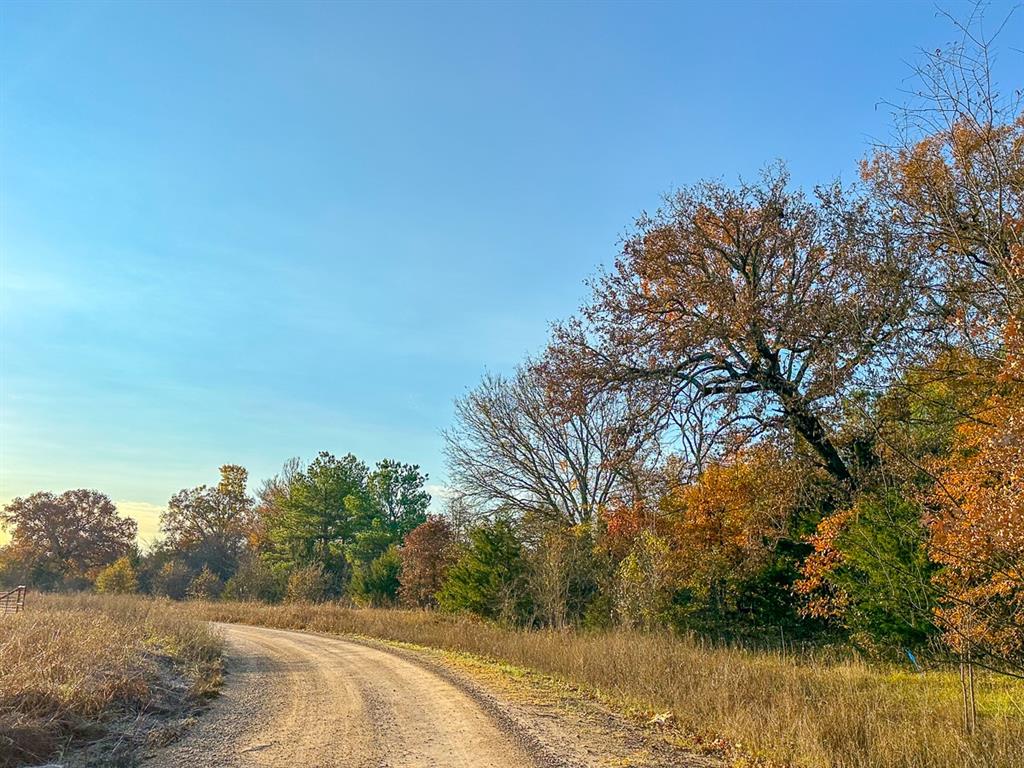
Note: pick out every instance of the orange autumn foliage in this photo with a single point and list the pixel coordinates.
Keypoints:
(725, 525)
(958, 196)
(758, 304)
(822, 599)
(625, 522)
(977, 530)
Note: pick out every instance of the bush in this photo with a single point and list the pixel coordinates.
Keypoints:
(118, 578)
(308, 584)
(870, 570)
(564, 575)
(172, 580)
(254, 580)
(426, 556)
(205, 586)
(490, 578)
(642, 583)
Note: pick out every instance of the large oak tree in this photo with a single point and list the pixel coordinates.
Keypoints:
(760, 303)
(66, 537)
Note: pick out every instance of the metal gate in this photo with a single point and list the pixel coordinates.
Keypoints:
(13, 601)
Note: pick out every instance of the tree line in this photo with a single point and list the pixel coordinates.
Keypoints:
(786, 412)
(781, 413)
(327, 529)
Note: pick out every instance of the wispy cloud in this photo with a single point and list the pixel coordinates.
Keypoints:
(439, 494)
(146, 515)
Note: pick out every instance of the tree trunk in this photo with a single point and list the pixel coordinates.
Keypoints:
(805, 423)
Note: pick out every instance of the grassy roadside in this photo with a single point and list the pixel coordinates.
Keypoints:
(582, 710)
(798, 711)
(100, 675)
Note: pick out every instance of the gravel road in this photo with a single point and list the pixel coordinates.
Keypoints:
(297, 699)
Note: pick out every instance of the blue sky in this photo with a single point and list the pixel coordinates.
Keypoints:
(242, 232)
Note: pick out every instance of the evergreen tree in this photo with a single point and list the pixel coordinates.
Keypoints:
(490, 578)
(376, 583)
(316, 519)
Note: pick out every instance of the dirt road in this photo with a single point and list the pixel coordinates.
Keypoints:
(296, 699)
(306, 700)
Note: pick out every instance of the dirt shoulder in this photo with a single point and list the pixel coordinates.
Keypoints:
(561, 724)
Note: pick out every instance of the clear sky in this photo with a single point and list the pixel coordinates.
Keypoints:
(247, 231)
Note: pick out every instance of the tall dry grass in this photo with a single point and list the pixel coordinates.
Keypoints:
(70, 667)
(803, 711)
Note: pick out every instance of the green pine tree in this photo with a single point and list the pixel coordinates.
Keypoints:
(490, 578)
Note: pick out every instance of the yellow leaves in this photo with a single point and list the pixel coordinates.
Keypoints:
(733, 512)
(1013, 367)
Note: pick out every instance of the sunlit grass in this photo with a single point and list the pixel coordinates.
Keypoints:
(74, 663)
(69, 666)
(801, 710)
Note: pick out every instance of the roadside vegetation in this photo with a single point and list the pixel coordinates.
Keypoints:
(98, 678)
(770, 471)
(820, 709)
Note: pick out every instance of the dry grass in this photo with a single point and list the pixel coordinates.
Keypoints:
(74, 667)
(799, 711)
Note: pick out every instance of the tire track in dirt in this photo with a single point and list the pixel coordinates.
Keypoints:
(300, 699)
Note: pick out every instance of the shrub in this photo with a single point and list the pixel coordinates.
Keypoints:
(254, 580)
(870, 571)
(377, 583)
(118, 578)
(206, 585)
(426, 556)
(564, 575)
(308, 584)
(490, 578)
(172, 580)
(642, 583)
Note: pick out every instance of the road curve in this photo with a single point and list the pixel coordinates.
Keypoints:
(297, 699)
